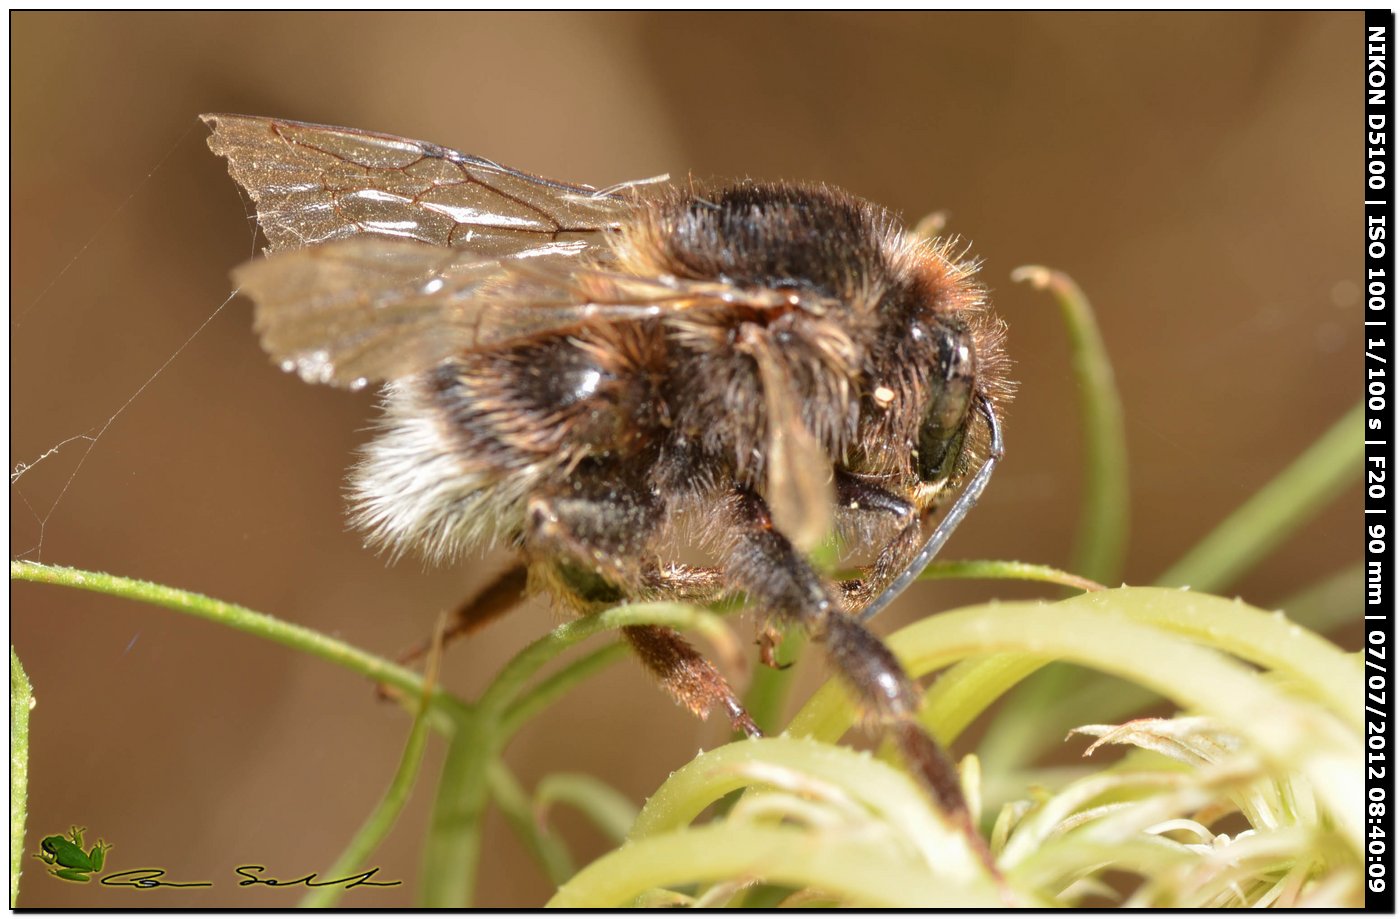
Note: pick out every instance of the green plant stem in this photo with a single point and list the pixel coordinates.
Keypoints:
(21, 701)
(998, 570)
(1023, 736)
(607, 808)
(767, 896)
(769, 687)
(1027, 725)
(453, 848)
(1265, 639)
(478, 733)
(1149, 855)
(843, 866)
(1098, 630)
(357, 854)
(452, 852)
(1103, 520)
(548, 690)
(1276, 511)
(510, 681)
(548, 850)
(1101, 542)
(1100, 698)
(963, 692)
(1332, 602)
(296, 637)
(884, 791)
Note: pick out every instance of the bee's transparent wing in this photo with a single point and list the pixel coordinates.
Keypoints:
(799, 488)
(315, 183)
(362, 310)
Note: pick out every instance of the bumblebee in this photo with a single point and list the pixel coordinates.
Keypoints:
(592, 377)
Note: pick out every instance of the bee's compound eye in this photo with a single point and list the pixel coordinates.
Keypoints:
(953, 383)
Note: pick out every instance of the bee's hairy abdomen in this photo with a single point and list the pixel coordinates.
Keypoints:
(462, 446)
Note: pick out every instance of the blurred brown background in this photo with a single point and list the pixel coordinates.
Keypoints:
(1199, 175)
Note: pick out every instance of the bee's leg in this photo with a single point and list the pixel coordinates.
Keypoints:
(861, 495)
(592, 554)
(687, 675)
(597, 539)
(779, 581)
(491, 602)
(858, 494)
(686, 583)
(768, 641)
(690, 679)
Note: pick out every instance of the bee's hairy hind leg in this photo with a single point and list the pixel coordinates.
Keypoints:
(491, 602)
(691, 680)
(781, 583)
(591, 550)
(685, 583)
(494, 600)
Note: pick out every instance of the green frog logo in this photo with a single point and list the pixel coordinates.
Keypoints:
(66, 859)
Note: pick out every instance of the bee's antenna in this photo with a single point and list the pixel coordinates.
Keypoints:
(950, 522)
(635, 183)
